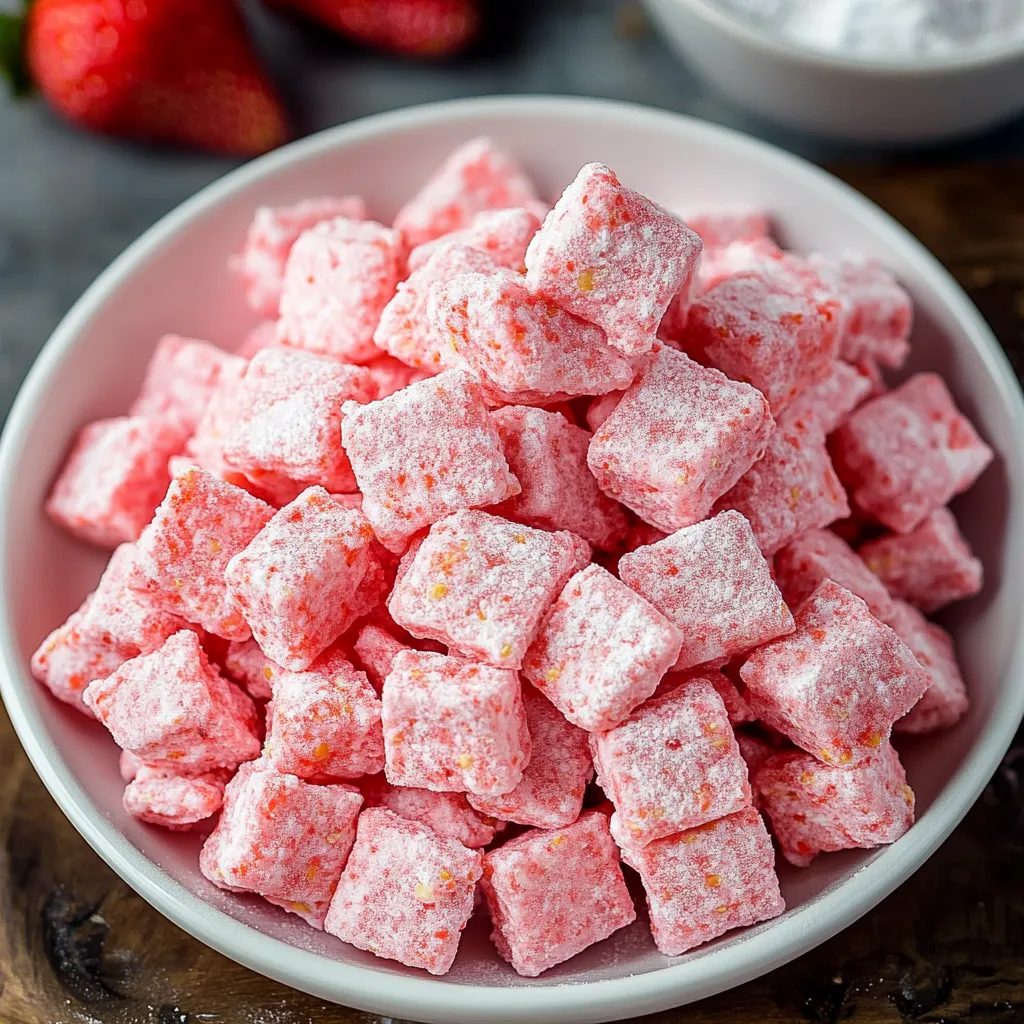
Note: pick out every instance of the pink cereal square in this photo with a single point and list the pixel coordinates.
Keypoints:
(502, 234)
(673, 764)
(551, 792)
(766, 330)
(601, 650)
(248, 666)
(424, 453)
(736, 706)
(793, 488)
(945, 701)
(814, 808)
(905, 454)
(713, 583)
(822, 555)
(114, 477)
(287, 418)
(406, 892)
(391, 374)
(175, 802)
(181, 556)
(681, 436)
(708, 880)
(548, 456)
(477, 176)
(837, 684)
(481, 585)
(182, 375)
(523, 347)
(305, 578)
(280, 836)
(448, 814)
(339, 276)
(929, 567)
(325, 721)
(171, 708)
(269, 240)
(830, 401)
(722, 227)
(376, 650)
(553, 893)
(452, 725)
(611, 256)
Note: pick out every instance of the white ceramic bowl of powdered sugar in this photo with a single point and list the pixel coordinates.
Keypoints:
(888, 71)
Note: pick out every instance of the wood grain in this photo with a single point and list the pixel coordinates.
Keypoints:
(77, 946)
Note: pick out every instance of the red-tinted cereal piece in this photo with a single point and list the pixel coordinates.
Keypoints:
(502, 234)
(453, 725)
(181, 556)
(602, 650)
(736, 706)
(391, 375)
(905, 454)
(551, 793)
(248, 666)
(611, 256)
(722, 227)
(792, 489)
(831, 400)
(269, 240)
(475, 177)
(288, 418)
(548, 456)
(708, 880)
(406, 892)
(113, 478)
(325, 721)
(424, 453)
(448, 814)
(522, 346)
(173, 801)
(339, 276)
(481, 584)
(280, 836)
(945, 701)
(376, 650)
(172, 709)
(673, 764)
(837, 684)
(681, 436)
(551, 894)
(713, 583)
(814, 808)
(766, 330)
(929, 567)
(821, 555)
(601, 408)
(305, 578)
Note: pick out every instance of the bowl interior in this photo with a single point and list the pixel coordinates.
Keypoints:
(175, 279)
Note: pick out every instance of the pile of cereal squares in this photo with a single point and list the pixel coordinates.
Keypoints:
(517, 545)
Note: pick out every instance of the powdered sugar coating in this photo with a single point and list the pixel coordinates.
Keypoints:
(453, 725)
(551, 894)
(611, 256)
(736, 706)
(325, 721)
(548, 456)
(448, 814)
(424, 453)
(814, 808)
(172, 709)
(248, 666)
(601, 650)
(502, 234)
(681, 436)
(831, 400)
(837, 684)
(481, 584)
(929, 567)
(551, 792)
(905, 454)
(819, 555)
(714, 584)
(476, 176)
(175, 802)
(792, 489)
(706, 881)
(113, 478)
(340, 274)
(181, 556)
(376, 650)
(673, 764)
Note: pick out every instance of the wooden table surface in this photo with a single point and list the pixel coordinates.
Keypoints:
(77, 946)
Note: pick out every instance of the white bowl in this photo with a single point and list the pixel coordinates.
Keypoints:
(174, 279)
(848, 99)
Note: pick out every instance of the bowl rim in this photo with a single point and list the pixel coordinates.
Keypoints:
(422, 997)
(733, 25)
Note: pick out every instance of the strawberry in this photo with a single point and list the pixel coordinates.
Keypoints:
(179, 71)
(413, 28)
